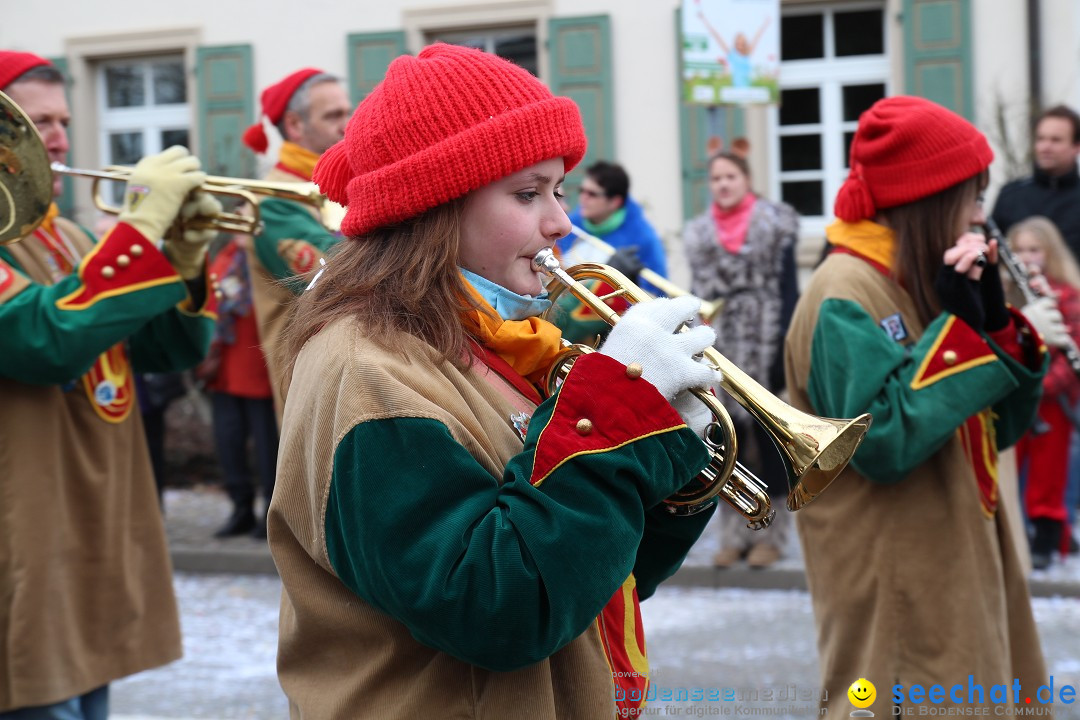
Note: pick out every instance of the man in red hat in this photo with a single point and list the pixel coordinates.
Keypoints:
(84, 564)
(310, 109)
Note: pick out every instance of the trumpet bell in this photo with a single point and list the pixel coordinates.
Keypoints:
(26, 182)
(815, 450)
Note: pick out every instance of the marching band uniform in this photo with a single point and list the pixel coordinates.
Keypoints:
(292, 241)
(90, 599)
(913, 571)
(449, 542)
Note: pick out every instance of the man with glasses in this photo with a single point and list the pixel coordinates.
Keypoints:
(606, 210)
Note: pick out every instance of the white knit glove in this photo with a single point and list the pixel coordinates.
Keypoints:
(1045, 316)
(694, 413)
(157, 188)
(187, 252)
(646, 335)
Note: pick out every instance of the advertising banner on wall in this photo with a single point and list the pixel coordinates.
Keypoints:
(731, 51)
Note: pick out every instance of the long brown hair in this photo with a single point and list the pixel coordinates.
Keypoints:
(399, 278)
(925, 229)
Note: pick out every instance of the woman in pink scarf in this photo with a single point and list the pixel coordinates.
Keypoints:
(742, 251)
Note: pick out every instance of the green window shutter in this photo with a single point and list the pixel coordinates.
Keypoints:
(937, 53)
(226, 108)
(581, 70)
(66, 201)
(369, 55)
(698, 123)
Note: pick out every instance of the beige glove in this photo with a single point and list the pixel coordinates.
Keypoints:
(187, 251)
(157, 188)
(1044, 315)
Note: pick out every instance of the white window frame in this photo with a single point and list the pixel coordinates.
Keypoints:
(829, 74)
(150, 120)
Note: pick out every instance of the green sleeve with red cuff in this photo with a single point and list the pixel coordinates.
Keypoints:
(503, 574)
(918, 394)
(54, 333)
(287, 220)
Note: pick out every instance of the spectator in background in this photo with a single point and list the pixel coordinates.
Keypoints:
(741, 251)
(237, 378)
(607, 211)
(1053, 191)
(1043, 453)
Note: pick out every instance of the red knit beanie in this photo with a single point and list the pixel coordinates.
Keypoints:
(907, 148)
(13, 64)
(274, 101)
(438, 126)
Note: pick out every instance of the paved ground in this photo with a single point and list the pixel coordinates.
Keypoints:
(746, 640)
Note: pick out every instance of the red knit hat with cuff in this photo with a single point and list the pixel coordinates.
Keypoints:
(905, 149)
(274, 100)
(13, 64)
(439, 125)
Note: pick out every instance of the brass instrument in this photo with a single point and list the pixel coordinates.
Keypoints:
(26, 186)
(709, 308)
(814, 449)
(1020, 278)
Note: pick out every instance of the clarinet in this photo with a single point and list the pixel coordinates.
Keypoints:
(1023, 281)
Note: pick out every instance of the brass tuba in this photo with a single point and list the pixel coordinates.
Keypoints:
(815, 450)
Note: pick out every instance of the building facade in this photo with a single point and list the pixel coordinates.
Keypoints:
(148, 75)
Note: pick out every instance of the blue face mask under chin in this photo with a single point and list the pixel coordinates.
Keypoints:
(508, 304)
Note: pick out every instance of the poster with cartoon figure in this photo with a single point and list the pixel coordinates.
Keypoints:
(731, 51)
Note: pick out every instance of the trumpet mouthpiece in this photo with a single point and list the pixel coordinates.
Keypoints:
(545, 261)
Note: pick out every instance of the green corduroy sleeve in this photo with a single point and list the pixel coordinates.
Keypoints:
(287, 220)
(47, 342)
(855, 368)
(500, 575)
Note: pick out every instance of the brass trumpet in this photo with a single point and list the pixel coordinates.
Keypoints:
(815, 450)
(26, 185)
(709, 308)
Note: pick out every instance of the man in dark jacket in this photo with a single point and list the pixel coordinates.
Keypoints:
(1054, 188)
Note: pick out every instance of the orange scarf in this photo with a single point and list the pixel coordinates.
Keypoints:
(297, 160)
(50, 215)
(529, 346)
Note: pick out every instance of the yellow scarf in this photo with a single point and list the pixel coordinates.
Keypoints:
(50, 215)
(529, 346)
(297, 160)
(867, 238)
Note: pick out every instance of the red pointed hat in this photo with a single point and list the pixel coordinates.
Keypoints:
(439, 125)
(907, 148)
(274, 100)
(13, 64)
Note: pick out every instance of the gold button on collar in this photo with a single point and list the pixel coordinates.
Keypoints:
(136, 250)
(949, 356)
(108, 272)
(584, 426)
(633, 371)
(123, 260)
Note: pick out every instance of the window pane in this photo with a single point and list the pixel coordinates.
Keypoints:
(859, 33)
(125, 148)
(798, 107)
(520, 49)
(859, 98)
(804, 196)
(169, 85)
(848, 137)
(800, 152)
(124, 86)
(174, 137)
(802, 37)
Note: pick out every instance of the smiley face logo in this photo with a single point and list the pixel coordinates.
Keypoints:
(862, 693)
